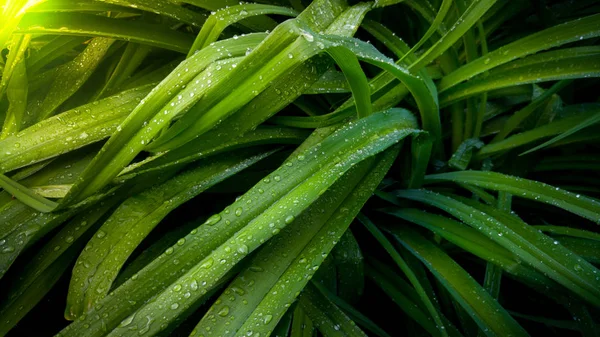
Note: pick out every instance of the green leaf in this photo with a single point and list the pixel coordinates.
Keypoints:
(584, 124)
(44, 270)
(410, 274)
(467, 20)
(210, 146)
(569, 231)
(11, 15)
(302, 325)
(274, 259)
(24, 194)
(459, 234)
(246, 225)
(164, 8)
(17, 47)
(82, 24)
(579, 29)
(524, 188)
(535, 248)
(422, 91)
(224, 17)
(134, 219)
(462, 157)
(148, 118)
(435, 25)
(403, 296)
(71, 77)
(132, 58)
(491, 318)
(354, 314)
(421, 147)
(17, 93)
(517, 118)
(556, 69)
(555, 128)
(69, 130)
(327, 317)
(349, 267)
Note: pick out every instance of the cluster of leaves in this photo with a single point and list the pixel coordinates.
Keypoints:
(217, 168)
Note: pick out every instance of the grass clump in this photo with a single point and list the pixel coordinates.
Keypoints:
(299, 168)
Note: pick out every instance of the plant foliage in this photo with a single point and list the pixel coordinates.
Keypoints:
(299, 168)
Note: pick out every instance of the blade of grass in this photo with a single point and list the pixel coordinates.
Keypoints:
(404, 296)
(583, 28)
(569, 231)
(353, 314)
(148, 118)
(272, 261)
(302, 325)
(467, 20)
(71, 77)
(43, 271)
(224, 17)
(435, 25)
(82, 24)
(518, 187)
(515, 120)
(51, 51)
(207, 238)
(16, 55)
(132, 222)
(555, 128)
(21, 192)
(558, 69)
(164, 8)
(132, 58)
(584, 124)
(349, 266)
(532, 246)
(250, 237)
(68, 131)
(491, 318)
(16, 93)
(401, 263)
(288, 287)
(327, 317)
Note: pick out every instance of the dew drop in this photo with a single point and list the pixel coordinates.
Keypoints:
(243, 249)
(238, 290)
(238, 211)
(224, 311)
(127, 321)
(213, 220)
(207, 264)
(8, 249)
